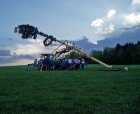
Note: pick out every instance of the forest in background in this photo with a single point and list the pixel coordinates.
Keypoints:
(120, 54)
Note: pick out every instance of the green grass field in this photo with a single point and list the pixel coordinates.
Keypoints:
(70, 92)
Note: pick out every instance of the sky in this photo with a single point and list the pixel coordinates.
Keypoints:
(65, 20)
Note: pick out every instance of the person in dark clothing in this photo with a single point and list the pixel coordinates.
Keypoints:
(39, 65)
(82, 63)
(35, 64)
(46, 64)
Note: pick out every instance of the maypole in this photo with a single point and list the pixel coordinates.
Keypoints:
(28, 31)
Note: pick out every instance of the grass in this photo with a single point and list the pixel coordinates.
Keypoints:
(71, 92)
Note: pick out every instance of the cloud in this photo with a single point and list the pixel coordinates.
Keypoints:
(126, 36)
(106, 29)
(97, 23)
(135, 2)
(104, 25)
(132, 19)
(19, 53)
(31, 47)
(5, 53)
(9, 58)
(84, 44)
(109, 29)
(111, 13)
(11, 61)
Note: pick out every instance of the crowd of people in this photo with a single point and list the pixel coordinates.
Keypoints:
(61, 64)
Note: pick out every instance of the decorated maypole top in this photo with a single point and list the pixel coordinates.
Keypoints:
(28, 31)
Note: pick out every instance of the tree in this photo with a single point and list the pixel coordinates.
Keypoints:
(97, 54)
(108, 55)
(138, 54)
(120, 54)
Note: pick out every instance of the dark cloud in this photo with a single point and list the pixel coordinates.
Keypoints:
(6, 57)
(5, 53)
(84, 44)
(128, 35)
(132, 28)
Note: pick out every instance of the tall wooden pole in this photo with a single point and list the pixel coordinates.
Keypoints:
(85, 54)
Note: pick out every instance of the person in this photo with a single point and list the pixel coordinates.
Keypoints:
(39, 65)
(35, 64)
(82, 63)
(70, 63)
(46, 64)
(27, 67)
(64, 64)
(57, 65)
(77, 63)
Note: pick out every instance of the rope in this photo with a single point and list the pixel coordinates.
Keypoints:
(56, 48)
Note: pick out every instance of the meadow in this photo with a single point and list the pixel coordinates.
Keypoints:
(87, 91)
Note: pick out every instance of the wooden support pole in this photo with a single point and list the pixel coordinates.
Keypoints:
(85, 54)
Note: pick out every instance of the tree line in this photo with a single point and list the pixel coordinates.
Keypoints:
(120, 54)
